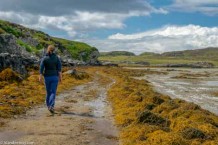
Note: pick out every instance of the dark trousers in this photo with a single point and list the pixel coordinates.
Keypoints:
(51, 84)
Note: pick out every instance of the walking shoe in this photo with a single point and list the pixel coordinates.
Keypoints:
(51, 109)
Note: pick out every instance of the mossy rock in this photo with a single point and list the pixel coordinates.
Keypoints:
(193, 133)
(152, 119)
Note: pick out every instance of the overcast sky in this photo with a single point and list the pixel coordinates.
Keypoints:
(132, 25)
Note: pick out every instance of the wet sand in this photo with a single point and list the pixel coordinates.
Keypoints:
(198, 90)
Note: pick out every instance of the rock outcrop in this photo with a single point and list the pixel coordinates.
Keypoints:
(14, 56)
(9, 45)
(16, 62)
(93, 58)
(21, 47)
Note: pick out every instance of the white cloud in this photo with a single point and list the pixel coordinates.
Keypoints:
(170, 31)
(74, 17)
(208, 7)
(81, 21)
(168, 38)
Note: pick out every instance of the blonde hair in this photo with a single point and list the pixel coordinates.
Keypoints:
(50, 49)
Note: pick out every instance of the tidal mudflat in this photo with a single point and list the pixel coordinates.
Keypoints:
(193, 85)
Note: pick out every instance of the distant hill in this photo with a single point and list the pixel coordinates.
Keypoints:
(175, 57)
(210, 53)
(117, 53)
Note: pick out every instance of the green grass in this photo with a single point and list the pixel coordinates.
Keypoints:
(42, 38)
(28, 47)
(2, 31)
(5, 27)
(75, 48)
(155, 60)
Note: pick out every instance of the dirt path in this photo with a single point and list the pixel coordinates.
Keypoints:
(84, 118)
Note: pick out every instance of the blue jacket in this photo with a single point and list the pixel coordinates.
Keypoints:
(50, 65)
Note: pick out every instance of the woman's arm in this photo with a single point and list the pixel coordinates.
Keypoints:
(59, 66)
(60, 77)
(41, 70)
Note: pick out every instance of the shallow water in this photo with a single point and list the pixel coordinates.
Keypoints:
(98, 105)
(198, 90)
(212, 83)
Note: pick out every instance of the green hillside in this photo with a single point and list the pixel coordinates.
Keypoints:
(187, 56)
(39, 40)
(207, 53)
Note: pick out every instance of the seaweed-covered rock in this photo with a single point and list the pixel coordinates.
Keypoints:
(77, 74)
(157, 100)
(193, 133)
(9, 76)
(152, 119)
(150, 106)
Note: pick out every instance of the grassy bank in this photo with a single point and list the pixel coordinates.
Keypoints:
(16, 96)
(146, 117)
(155, 60)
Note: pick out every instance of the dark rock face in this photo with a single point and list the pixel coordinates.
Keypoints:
(30, 41)
(14, 56)
(16, 62)
(8, 45)
(93, 58)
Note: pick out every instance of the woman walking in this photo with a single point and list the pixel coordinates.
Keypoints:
(50, 68)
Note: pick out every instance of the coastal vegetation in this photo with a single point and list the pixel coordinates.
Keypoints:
(142, 115)
(147, 117)
(17, 95)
